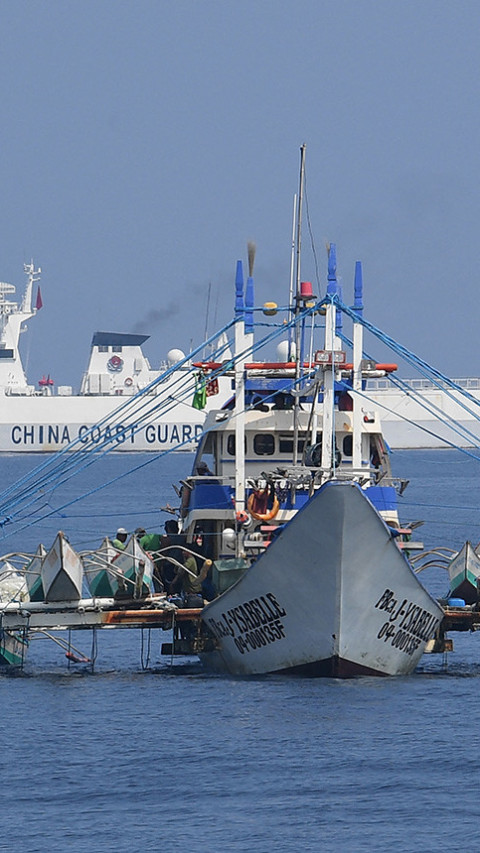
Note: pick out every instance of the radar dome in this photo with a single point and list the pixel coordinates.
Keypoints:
(283, 351)
(174, 356)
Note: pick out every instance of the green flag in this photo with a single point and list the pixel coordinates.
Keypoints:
(200, 396)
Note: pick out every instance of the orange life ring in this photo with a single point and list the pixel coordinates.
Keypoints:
(129, 382)
(262, 516)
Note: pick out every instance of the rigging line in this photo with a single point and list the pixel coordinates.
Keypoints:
(423, 429)
(275, 333)
(55, 477)
(170, 403)
(409, 356)
(93, 491)
(167, 404)
(310, 231)
(65, 465)
(154, 407)
(70, 460)
(432, 408)
(59, 509)
(97, 489)
(92, 459)
(429, 407)
(122, 407)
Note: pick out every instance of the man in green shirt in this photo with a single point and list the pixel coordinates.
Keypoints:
(190, 577)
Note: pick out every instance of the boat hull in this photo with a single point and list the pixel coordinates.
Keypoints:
(101, 580)
(464, 573)
(332, 595)
(13, 648)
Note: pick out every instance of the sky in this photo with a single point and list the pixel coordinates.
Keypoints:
(145, 142)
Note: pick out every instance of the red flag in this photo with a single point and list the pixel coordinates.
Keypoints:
(38, 303)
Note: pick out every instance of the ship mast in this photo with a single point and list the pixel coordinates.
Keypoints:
(298, 305)
(33, 276)
(239, 410)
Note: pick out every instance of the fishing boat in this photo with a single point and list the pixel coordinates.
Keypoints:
(464, 573)
(293, 493)
(106, 409)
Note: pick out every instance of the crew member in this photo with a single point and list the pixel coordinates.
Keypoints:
(120, 539)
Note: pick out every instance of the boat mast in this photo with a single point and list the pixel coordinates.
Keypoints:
(290, 356)
(298, 305)
(357, 370)
(331, 345)
(239, 409)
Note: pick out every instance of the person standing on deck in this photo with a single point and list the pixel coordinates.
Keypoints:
(154, 543)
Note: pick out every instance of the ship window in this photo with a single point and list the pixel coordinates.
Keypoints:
(347, 445)
(231, 445)
(102, 348)
(264, 444)
(117, 349)
(286, 444)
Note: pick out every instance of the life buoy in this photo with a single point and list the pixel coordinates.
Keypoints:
(262, 516)
(129, 382)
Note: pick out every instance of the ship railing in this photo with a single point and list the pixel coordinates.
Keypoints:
(469, 383)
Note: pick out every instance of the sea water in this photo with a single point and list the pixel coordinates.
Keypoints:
(144, 756)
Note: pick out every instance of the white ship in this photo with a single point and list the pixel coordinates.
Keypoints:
(427, 413)
(47, 419)
(43, 418)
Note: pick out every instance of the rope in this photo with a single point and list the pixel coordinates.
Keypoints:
(28, 497)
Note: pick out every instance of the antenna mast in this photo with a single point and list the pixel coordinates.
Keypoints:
(298, 303)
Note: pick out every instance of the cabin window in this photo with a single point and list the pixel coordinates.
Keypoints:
(347, 445)
(264, 444)
(231, 445)
(286, 444)
(102, 348)
(117, 348)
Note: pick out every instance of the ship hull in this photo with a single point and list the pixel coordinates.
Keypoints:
(49, 424)
(331, 596)
(13, 648)
(408, 424)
